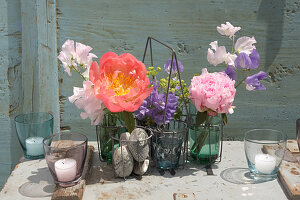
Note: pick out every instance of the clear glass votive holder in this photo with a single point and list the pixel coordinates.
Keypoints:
(31, 129)
(264, 150)
(65, 154)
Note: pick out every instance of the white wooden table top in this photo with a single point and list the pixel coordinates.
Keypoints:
(32, 178)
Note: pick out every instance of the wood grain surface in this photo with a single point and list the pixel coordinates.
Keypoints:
(189, 26)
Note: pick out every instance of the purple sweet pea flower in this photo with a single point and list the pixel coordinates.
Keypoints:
(231, 72)
(253, 81)
(243, 61)
(167, 66)
(154, 105)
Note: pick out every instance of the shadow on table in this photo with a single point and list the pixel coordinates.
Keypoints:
(238, 175)
(40, 184)
(101, 172)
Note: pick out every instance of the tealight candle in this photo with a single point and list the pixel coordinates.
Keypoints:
(65, 169)
(34, 146)
(265, 163)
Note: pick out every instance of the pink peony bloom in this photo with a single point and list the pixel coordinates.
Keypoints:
(212, 92)
(120, 81)
(85, 99)
(227, 29)
(245, 45)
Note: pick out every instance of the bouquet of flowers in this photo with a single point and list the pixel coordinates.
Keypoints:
(152, 109)
(213, 93)
(117, 85)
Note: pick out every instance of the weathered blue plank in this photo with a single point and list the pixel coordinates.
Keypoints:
(189, 26)
(39, 63)
(10, 98)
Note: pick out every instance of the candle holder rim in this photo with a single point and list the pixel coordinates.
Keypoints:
(85, 139)
(284, 136)
(31, 113)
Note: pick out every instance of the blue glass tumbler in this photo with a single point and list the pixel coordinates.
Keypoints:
(31, 129)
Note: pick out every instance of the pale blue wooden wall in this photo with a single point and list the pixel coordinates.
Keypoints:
(28, 42)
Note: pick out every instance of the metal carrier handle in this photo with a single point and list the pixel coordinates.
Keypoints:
(149, 40)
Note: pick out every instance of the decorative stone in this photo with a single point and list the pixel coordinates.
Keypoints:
(123, 162)
(138, 146)
(140, 168)
(124, 136)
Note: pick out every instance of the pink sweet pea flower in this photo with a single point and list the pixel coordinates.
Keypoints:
(120, 81)
(212, 92)
(227, 29)
(85, 99)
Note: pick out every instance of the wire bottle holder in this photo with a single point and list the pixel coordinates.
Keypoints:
(168, 139)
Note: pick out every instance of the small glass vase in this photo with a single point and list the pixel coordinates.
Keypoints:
(167, 145)
(264, 149)
(31, 129)
(111, 124)
(65, 154)
(213, 134)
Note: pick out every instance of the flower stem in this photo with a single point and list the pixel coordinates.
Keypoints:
(72, 67)
(232, 44)
(240, 82)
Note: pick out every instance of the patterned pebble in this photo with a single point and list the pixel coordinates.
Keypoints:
(124, 136)
(139, 150)
(141, 168)
(123, 167)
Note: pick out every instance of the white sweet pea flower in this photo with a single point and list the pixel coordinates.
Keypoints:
(218, 56)
(245, 45)
(227, 29)
(85, 99)
(230, 58)
(68, 56)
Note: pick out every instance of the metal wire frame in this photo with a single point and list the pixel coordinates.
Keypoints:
(163, 129)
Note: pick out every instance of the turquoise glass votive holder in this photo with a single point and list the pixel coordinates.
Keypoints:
(31, 129)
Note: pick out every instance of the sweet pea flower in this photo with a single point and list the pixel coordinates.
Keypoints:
(218, 56)
(227, 29)
(167, 66)
(245, 45)
(243, 61)
(76, 58)
(85, 99)
(252, 82)
(231, 72)
(68, 56)
(121, 82)
(212, 92)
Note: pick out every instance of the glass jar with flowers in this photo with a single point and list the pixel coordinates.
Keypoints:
(112, 90)
(162, 110)
(212, 94)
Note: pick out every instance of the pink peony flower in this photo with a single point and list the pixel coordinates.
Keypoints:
(85, 99)
(120, 81)
(212, 92)
(227, 29)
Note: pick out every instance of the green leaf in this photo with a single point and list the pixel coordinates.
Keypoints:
(224, 118)
(129, 120)
(201, 118)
